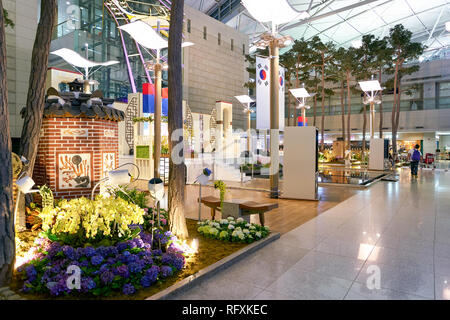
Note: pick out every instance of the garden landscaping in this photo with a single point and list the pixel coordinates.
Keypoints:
(119, 248)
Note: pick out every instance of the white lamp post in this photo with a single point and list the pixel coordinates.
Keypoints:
(301, 94)
(372, 90)
(246, 101)
(273, 12)
(77, 60)
(24, 185)
(202, 179)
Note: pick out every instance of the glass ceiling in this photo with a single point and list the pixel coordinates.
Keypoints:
(345, 21)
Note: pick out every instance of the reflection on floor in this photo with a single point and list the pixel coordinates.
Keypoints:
(391, 241)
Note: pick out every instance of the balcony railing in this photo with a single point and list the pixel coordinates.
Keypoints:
(405, 105)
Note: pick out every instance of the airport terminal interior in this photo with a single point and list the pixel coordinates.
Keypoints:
(225, 149)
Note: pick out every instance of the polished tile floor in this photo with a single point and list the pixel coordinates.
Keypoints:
(391, 241)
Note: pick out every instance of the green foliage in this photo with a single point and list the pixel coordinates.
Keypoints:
(219, 184)
(139, 198)
(8, 21)
(143, 119)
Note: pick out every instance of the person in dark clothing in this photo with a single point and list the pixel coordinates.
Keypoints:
(414, 157)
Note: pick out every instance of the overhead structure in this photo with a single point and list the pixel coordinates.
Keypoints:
(122, 13)
(344, 22)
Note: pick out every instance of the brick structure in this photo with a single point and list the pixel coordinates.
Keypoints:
(79, 143)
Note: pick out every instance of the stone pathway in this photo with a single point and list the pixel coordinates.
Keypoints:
(8, 294)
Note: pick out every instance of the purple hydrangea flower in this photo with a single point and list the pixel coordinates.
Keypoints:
(89, 252)
(27, 287)
(107, 277)
(87, 284)
(31, 273)
(135, 267)
(122, 246)
(128, 289)
(84, 263)
(122, 271)
(57, 287)
(96, 260)
(70, 252)
(166, 271)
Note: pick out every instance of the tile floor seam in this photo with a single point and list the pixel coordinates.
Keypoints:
(361, 269)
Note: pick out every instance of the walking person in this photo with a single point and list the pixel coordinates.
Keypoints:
(414, 156)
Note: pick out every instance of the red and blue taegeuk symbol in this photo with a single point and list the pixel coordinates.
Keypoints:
(281, 81)
(263, 75)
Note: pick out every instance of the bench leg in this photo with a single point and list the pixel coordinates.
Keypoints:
(261, 219)
(213, 213)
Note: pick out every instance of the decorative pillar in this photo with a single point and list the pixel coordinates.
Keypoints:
(274, 119)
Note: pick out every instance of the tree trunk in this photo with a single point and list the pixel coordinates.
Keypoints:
(34, 109)
(349, 110)
(289, 105)
(177, 173)
(322, 123)
(381, 107)
(315, 98)
(393, 118)
(7, 237)
(399, 99)
(344, 146)
(363, 149)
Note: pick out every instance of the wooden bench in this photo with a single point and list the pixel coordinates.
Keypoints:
(246, 207)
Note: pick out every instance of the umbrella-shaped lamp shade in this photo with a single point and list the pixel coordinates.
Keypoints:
(145, 35)
(244, 99)
(119, 177)
(75, 59)
(371, 85)
(300, 93)
(25, 184)
(276, 11)
(156, 188)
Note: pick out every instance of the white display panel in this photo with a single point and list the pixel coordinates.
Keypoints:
(376, 157)
(299, 167)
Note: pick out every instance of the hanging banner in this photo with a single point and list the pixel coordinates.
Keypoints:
(281, 93)
(263, 94)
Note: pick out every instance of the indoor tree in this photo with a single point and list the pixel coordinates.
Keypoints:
(325, 55)
(288, 61)
(304, 62)
(347, 59)
(404, 50)
(382, 55)
(339, 77)
(34, 109)
(177, 173)
(7, 237)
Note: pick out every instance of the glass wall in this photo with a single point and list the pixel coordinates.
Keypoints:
(87, 22)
